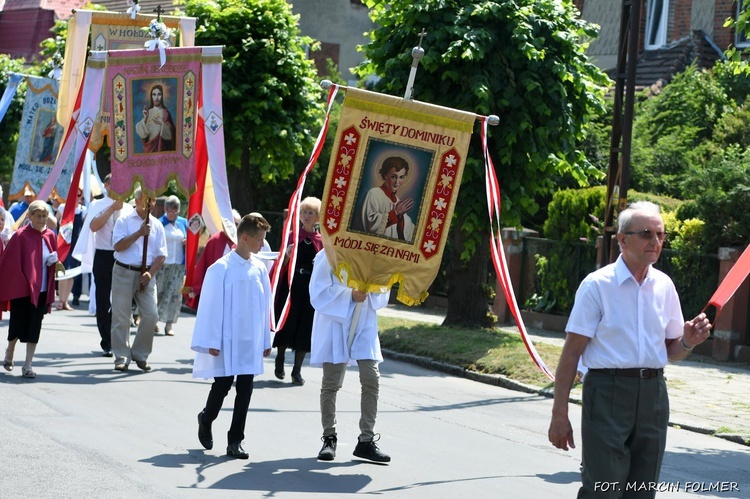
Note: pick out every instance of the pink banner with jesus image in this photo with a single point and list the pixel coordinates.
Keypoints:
(152, 126)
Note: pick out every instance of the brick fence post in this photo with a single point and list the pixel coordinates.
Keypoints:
(730, 329)
(512, 239)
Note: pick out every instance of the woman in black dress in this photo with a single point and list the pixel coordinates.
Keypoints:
(297, 329)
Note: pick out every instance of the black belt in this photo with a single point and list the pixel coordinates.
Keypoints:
(129, 267)
(643, 373)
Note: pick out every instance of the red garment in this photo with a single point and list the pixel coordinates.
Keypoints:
(20, 266)
(3, 305)
(214, 250)
(158, 144)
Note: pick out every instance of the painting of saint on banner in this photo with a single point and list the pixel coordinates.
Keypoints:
(39, 141)
(391, 187)
(153, 119)
(154, 124)
(46, 138)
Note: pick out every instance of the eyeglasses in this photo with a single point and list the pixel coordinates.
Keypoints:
(647, 234)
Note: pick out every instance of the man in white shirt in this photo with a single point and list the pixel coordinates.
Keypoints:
(131, 282)
(625, 324)
(101, 222)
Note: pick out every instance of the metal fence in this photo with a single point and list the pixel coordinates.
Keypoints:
(695, 275)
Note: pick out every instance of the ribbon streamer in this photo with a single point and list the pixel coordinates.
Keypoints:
(731, 282)
(161, 44)
(133, 9)
(498, 252)
(292, 221)
(10, 91)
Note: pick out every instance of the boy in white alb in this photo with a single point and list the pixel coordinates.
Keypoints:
(334, 305)
(232, 331)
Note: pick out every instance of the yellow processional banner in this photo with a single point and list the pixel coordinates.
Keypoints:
(391, 188)
(107, 31)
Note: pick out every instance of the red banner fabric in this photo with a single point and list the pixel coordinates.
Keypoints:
(732, 281)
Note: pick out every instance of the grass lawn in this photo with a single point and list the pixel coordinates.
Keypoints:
(488, 351)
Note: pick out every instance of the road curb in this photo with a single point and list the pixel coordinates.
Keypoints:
(505, 382)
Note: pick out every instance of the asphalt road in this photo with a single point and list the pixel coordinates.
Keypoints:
(83, 430)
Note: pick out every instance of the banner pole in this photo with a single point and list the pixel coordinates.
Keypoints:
(416, 53)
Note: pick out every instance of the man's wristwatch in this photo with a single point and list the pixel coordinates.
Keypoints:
(684, 346)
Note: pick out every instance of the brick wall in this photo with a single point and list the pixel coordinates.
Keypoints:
(723, 37)
(681, 14)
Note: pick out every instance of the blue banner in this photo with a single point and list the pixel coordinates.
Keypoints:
(39, 141)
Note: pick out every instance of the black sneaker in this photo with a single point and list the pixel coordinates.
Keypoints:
(328, 451)
(236, 451)
(369, 450)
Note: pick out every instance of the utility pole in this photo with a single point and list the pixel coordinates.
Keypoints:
(618, 174)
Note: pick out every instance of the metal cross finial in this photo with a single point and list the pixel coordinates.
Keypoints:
(421, 37)
(158, 11)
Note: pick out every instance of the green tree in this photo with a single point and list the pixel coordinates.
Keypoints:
(668, 128)
(522, 60)
(272, 102)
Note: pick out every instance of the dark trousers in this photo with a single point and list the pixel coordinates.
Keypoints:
(102, 269)
(26, 319)
(624, 433)
(77, 286)
(219, 390)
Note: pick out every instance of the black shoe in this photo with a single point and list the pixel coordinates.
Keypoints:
(143, 365)
(297, 379)
(279, 371)
(76, 301)
(369, 450)
(328, 451)
(204, 433)
(235, 450)
(107, 353)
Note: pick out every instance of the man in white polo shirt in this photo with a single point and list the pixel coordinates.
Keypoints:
(626, 323)
(129, 282)
(101, 219)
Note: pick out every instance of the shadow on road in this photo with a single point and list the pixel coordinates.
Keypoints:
(301, 475)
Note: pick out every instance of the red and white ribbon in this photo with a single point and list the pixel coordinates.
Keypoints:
(292, 221)
(498, 252)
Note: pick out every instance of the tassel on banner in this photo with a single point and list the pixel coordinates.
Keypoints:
(498, 252)
(292, 221)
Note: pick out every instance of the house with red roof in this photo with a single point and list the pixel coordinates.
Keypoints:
(25, 23)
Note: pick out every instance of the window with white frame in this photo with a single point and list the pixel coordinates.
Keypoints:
(657, 14)
(740, 36)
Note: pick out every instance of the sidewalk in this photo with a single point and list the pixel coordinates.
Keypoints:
(705, 396)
